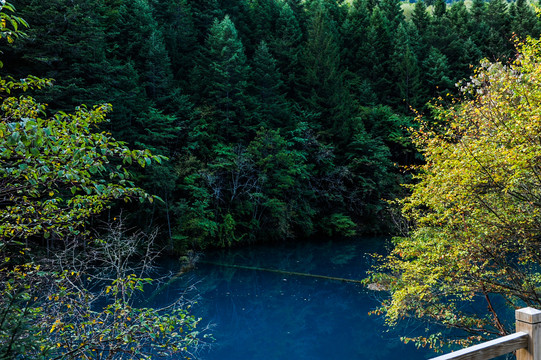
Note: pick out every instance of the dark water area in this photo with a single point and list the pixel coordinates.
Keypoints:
(260, 314)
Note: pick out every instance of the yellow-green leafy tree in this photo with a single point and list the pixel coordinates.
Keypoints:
(475, 208)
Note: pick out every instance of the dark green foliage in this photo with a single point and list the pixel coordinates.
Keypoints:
(523, 19)
(407, 71)
(393, 13)
(73, 49)
(437, 72)
(440, 8)
(304, 103)
(180, 36)
(264, 14)
(322, 87)
(380, 38)
(420, 17)
(286, 47)
(270, 104)
(226, 74)
(355, 47)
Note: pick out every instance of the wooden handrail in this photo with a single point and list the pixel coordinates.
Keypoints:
(526, 341)
(489, 349)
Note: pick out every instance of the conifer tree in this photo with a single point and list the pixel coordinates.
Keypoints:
(437, 70)
(298, 8)
(477, 26)
(264, 14)
(459, 16)
(406, 71)
(72, 51)
(421, 20)
(393, 12)
(354, 42)
(440, 8)
(497, 18)
(177, 25)
(470, 56)
(322, 87)
(380, 38)
(355, 47)
(523, 19)
(420, 16)
(286, 46)
(226, 74)
(239, 12)
(204, 13)
(269, 99)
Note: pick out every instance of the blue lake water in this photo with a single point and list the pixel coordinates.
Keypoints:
(258, 314)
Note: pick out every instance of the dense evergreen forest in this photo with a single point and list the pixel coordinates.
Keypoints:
(281, 119)
(235, 121)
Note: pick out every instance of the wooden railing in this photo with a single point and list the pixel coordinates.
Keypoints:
(526, 341)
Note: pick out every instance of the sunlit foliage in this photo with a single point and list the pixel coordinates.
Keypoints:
(475, 205)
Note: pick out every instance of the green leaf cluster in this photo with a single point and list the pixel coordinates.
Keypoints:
(475, 205)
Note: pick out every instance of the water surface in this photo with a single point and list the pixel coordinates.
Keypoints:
(259, 314)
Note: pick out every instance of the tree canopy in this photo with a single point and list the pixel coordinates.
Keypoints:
(475, 206)
(58, 172)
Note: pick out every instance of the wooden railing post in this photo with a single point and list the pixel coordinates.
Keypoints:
(528, 320)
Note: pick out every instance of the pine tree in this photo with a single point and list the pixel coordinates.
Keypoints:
(478, 28)
(459, 16)
(422, 21)
(270, 103)
(355, 46)
(136, 32)
(420, 17)
(177, 25)
(440, 8)
(497, 18)
(523, 19)
(443, 35)
(354, 42)
(380, 40)
(322, 87)
(204, 14)
(226, 80)
(264, 14)
(470, 56)
(72, 51)
(299, 10)
(438, 75)
(406, 71)
(239, 12)
(286, 46)
(393, 13)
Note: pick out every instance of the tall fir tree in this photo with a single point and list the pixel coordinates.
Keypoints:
(499, 45)
(420, 16)
(354, 42)
(380, 40)
(440, 8)
(264, 14)
(322, 87)
(437, 72)
(226, 74)
(355, 46)
(204, 14)
(286, 45)
(239, 12)
(523, 19)
(392, 10)
(268, 91)
(406, 71)
(177, 25)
